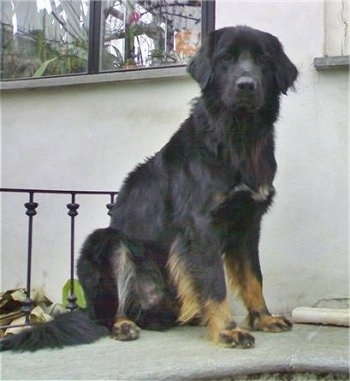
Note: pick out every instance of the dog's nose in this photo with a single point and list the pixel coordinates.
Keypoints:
(246, 84)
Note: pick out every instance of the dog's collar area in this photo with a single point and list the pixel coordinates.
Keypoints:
(245, 110)
(262, 194)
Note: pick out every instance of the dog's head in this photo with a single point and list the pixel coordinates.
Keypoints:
(244, 66)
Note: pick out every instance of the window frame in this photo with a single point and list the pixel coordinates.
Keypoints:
(94, 74)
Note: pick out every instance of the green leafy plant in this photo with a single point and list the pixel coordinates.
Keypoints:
(78, 292)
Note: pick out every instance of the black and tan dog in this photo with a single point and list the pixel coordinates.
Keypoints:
(186, 223)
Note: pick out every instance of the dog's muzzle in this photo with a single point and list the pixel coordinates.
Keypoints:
(247, 94)
(246, 85)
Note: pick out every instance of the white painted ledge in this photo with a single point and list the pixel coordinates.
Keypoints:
(87, 79)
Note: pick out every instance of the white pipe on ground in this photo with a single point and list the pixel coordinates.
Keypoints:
(327, 316)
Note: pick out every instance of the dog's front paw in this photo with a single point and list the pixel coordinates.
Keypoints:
(125, 330)
(236, 337)
(271, 323)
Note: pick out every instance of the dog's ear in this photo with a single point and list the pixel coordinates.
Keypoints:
(286, 73)
(200, 67)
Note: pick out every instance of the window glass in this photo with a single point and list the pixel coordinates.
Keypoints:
(43, 38)
(141, 34)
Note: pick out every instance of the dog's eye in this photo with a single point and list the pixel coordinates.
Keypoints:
(263, 59)
(227, 57)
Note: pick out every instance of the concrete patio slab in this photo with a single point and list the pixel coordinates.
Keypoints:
(184, 354)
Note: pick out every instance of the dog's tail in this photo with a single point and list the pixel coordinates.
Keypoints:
(71, 328)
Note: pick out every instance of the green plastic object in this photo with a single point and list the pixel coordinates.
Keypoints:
(78, 292)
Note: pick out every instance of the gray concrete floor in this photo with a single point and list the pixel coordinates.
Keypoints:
(184, 354)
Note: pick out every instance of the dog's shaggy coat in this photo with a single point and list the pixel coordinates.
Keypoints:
(186, 223)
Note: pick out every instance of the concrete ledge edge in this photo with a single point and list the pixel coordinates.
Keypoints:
(88, 79)
(334, 62)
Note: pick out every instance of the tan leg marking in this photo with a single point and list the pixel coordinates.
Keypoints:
(125, 330)
(221, 327)
(272, 323)
(217, 317)
(242, 279)
(186, 292)
(250, 290)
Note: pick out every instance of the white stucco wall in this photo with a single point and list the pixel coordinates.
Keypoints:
(81, 138)
(89, 137)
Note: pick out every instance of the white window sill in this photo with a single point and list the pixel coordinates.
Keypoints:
(87, 79)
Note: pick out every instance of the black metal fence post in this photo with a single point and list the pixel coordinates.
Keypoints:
(110, 205)
(27, 303)
(73, 207)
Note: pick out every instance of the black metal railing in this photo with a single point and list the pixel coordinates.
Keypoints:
(31, 207)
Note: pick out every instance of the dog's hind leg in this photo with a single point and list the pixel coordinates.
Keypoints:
(106, 272)
(143, 298)
(124, 274)
(95, 276)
